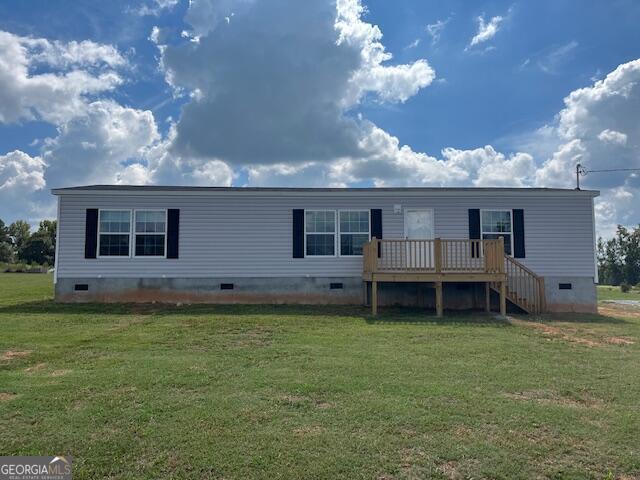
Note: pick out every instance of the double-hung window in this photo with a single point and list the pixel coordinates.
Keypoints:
(354, 232)
(320, 233)
(114, 233)
(496, 224)
(150, 233)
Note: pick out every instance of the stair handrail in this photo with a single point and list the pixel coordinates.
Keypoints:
(539, 298)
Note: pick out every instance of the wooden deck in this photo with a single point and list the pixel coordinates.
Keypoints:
(442, 260)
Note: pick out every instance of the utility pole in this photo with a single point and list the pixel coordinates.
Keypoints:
(578, 172)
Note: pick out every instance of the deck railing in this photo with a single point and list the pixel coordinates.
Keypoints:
(434, 256)
(524, 286)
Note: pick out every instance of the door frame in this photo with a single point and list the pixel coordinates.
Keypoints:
(433, 220)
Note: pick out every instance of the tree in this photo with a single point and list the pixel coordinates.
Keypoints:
(631, 254)
(41, 246)
(619, 257)
(20, 231)
(6, 245)
(49, 227)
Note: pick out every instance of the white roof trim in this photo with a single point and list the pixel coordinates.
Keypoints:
(445, 192)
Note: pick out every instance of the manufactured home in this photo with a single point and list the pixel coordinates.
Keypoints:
(526, 249)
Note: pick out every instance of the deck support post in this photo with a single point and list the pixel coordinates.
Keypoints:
(439, 305)
(374, 298)
(503, 298)
(487, 297)
(365, 295)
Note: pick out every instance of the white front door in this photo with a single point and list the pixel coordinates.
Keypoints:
(418, 225)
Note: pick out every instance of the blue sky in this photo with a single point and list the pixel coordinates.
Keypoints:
(279, 92)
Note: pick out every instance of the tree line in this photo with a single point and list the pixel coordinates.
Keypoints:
(619, 258)
(19, 245)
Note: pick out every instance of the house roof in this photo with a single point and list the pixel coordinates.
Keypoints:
(187, 190)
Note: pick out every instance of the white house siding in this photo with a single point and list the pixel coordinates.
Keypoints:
(249, 233)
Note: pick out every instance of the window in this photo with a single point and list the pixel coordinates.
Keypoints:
(150, 233)
(114, 231)
(496, 224)
(354, 232)
(320, 233)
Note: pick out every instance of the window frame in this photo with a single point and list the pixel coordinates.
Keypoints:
(510, 233)
(335, 232)
(134, 234)
(340, 233)
(114, 209)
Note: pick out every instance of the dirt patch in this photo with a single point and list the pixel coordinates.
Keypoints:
(411, 463)
(256, 337)
(324, 405)
(6, 396)
(294, 400)
(450, 470)
(566, 334)
(552, 398)
(11, 354)
(619, 341)
(35, 368)
(620, 311)
(462, 431)
(308, 430)
(59, 373)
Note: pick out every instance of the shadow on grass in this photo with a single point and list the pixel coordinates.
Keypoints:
(572, 318)
(388, 315)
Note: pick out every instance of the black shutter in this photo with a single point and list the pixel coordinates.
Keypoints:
(474, 230)
(91, 233)
(173, 232)
(298, 233)
(518, 233)
(376, 225)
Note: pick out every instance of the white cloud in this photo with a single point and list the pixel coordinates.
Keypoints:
(388, 163)
(551, 61)
(611, 136)
(486, 30)
(434, 30)
(392, 83)
(94, 148)
(413, 44)
(293, 105)
(53, 97)
(599, 128)
(72, 54)
(156, 7)
(134, 174)
(21, 176)
(21, 173)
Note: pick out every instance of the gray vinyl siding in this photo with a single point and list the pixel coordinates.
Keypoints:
(235, 235)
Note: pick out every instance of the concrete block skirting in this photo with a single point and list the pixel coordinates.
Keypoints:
(310, 290)
(582, 295)
(296, 290)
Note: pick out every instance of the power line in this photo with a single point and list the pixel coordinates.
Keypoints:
(613, 170)
(580, 170)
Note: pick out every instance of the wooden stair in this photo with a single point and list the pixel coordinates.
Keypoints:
(524, 289)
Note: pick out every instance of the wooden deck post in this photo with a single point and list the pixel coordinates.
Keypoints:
(487, 297)
(437, 247)
(439, 305)
(365, 296)
(503, 298)
(374, 298)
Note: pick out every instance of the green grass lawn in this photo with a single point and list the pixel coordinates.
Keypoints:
(239, 392)
(606, 292)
